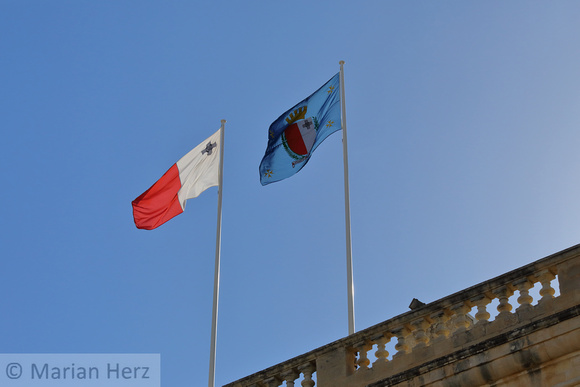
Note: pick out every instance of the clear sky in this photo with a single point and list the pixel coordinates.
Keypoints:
(463, 127)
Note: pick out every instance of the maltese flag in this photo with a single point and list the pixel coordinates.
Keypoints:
(190, 176)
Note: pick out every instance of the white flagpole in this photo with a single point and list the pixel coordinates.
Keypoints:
(216, 280)
(350, 284)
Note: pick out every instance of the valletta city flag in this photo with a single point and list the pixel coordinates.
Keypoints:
(190, 176)
(295, 134)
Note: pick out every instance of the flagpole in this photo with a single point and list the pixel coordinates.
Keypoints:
(350, 284)
(216, 280)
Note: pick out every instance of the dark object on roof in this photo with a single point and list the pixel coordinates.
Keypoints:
(416, 304)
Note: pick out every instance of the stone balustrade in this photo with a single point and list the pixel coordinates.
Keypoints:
(440, 332)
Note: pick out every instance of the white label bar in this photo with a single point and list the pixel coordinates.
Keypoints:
(80, 370)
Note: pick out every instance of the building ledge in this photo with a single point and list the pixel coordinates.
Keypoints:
(441, 344)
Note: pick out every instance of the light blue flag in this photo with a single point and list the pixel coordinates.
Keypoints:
(295, 134)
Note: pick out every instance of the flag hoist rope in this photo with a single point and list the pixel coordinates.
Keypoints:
(350, 284)
(216, 280)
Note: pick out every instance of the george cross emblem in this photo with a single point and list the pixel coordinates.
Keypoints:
(209, 148)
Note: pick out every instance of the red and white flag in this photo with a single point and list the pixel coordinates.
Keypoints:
(190, 176)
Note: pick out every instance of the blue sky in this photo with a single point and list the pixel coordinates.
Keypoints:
(463, 122)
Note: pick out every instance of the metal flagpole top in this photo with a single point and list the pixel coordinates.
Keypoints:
(349, 275)
(216, 280)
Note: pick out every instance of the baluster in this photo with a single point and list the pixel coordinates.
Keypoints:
(307, 370)
(363, 360)
(290, 376)
(401, 346)
(503, 294)
(421, 337)
(546, 277)
(440, 320)
(460, 310)
(482, 315)
(524, 286)
(381, 354)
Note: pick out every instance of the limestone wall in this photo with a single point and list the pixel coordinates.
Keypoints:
(441, 344)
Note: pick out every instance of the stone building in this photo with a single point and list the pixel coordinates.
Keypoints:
(455, 341)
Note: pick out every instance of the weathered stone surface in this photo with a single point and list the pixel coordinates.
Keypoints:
(441, 345)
